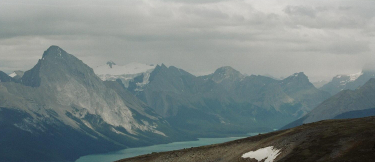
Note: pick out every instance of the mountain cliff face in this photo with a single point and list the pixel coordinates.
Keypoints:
(328, 141)
(345, 104)
(62, 110)
(351, 82)
(226, 102)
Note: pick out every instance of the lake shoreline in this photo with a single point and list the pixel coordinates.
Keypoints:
(128, 152)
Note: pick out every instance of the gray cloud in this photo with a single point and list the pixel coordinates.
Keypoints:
(301, 11)
(273, 37)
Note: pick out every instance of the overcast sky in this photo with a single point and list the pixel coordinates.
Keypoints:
(322, 38)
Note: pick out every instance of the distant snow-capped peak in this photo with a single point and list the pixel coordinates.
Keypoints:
(111, 72)
(344, 79)
(350, 77)
(111, 68)
(355, 76)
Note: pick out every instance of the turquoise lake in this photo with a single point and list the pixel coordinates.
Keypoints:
(131, 152)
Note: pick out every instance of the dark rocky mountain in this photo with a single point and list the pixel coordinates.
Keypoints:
(328, 141)
(225, 102)
(61, 110)
(5, 77)
(345, 104)
(351, 82)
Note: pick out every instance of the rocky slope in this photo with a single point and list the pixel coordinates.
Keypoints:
(345, 104)
(328, 141)
(225, 102)
(61, 110)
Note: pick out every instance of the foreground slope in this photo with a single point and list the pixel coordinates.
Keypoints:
(345, 104)
(328, 141)
(61, 110)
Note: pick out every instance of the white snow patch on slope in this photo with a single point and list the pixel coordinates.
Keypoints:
(268, 153)
(132, 68)
(125, 73)
(146, 78)
(355, 76)
(13, 74)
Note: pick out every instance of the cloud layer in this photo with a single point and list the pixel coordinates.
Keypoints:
(274, 37)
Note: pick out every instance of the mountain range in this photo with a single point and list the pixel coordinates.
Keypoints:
(60, 110)
(225, 102)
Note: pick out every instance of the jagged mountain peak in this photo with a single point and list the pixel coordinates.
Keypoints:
(171, 70)
(225, 73)
(54, 52)
(165, 71)
(299, 87)
(226, 70)
(298, 75)
(299, 78)
(161, 66)
(58, 66)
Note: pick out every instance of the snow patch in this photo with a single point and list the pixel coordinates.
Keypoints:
(268, 153)
(118, 132)
(146, 78)
(355, 76)
(132, 68)
(13, 74)
(126, 73)
(159, 133)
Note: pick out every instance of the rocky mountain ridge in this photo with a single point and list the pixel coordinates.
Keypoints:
(225, 100)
